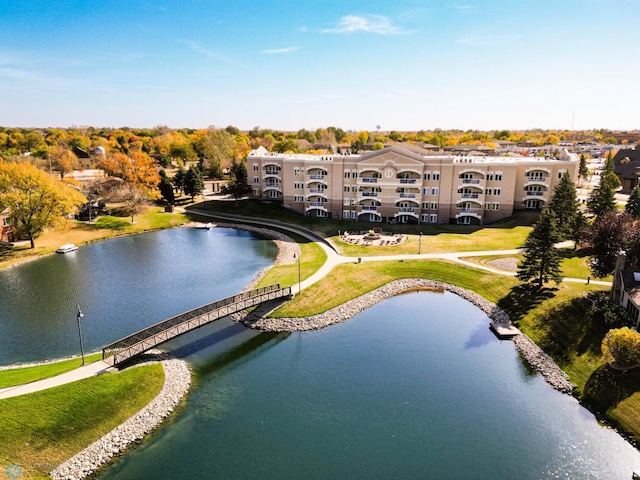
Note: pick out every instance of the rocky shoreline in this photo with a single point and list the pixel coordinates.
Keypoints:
(532, 354)
(176, 384)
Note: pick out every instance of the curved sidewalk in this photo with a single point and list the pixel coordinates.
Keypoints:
(86, 371)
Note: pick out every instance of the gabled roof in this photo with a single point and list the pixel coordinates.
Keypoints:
(393, 150)
(629, 169)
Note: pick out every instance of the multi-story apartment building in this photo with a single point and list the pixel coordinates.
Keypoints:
(394, 185)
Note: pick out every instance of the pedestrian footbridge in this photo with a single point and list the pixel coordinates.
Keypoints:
(137, 343)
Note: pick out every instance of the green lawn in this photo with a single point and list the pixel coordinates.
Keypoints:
(19, 376)
(42, 429)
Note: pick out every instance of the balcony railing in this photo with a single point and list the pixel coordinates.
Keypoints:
(317, 204)
(369, 194)
(408, 180)
(272, 172)
(470, 195)
(407, 195)
(369, 180)
(406, 209)
(471, 181)
(316, 176)
(534, 194)
(317, 190)
(369, 208)
(469, 209)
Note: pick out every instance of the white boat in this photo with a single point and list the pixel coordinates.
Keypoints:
(204, 225)
(69, 247)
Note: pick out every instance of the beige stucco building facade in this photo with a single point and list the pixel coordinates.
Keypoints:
(394, 185)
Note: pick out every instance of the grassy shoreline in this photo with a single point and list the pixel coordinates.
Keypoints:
(553, 318)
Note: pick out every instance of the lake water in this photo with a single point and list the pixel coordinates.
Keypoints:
(414, 387)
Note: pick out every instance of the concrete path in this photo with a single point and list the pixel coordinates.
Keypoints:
(333, 259)
(95, 368)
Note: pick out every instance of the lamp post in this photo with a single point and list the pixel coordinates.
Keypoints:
(79, 316)
(420, 243)
(296, 256)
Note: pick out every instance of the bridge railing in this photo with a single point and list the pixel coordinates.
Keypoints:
(160, 327)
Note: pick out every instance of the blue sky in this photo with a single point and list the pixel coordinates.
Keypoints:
(403, 64)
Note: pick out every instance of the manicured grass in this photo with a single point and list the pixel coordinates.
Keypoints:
(19, 376)
(151, 218)
(42, 429)
(348, 281)
(312, 258)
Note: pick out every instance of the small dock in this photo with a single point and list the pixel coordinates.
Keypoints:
(504, 331)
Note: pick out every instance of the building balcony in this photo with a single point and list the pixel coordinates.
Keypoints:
(471, 181)
(369, 208)
(408, 180)
(534, 194)
(406, 209)
(273, 187)
(469, 214)
(368, 180)
(407, 195)
(316, 176)
(470, 195)
(321, 191)
(271, 171)
(368, 194)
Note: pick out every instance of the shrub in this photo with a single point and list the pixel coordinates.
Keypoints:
(622, 346)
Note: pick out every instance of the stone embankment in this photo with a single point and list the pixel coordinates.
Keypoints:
(176, 384)
(527, 348)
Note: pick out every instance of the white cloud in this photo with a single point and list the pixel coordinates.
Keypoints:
(369, 23)
(464, 8)
(484, 40)
(198, 48)
(280, 50)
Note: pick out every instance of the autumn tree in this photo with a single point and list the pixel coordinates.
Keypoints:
(136, 169)
(622, 346)
(216, 146)
(608, 236)
(36, 200)
(63, 160)
(541, 258)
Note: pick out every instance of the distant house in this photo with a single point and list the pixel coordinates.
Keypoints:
(627, 167)
(7, 226)
(626, 287)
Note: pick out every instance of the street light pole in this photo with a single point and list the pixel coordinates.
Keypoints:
(420, 243)
(295, 255)
(79, 316)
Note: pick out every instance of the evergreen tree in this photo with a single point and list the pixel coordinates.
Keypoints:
(564, 204)
(583, 172)
(633, 204)
(541, 258)
(579, 229)
(238, 184)
(609, 164)
(166, 188)
(178, 179)
(193, 182)
(602, 199)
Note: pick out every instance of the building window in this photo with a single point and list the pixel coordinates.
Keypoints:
(354, 214)
(498, 177)
(427, 176)
(346, 201)
(488, 192)
(487, 206)
(426, 191)
(495, 206)
(434, 205)
(353, 202)
(435, 191)
(256, 179)
(297, 171)
(355, 174)
(489, 177)
(256, 193)
(298, 186)
(433, 218)
(354, 189)
(346, 189)
(298, 198)
(347, 174)
(425, 205)
(424, 218)
(436, 175)
(496, 191)
(345, 214)
(256, 167)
